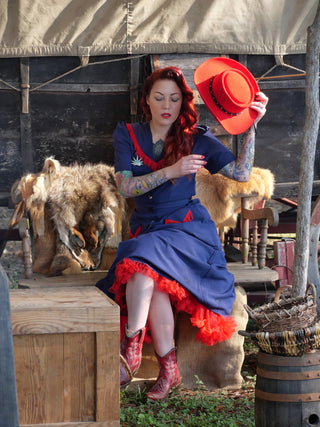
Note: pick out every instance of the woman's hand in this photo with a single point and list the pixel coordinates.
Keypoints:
(240, 169)
(259, 105)
(187, 165)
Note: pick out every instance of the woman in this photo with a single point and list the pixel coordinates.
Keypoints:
(174, 257)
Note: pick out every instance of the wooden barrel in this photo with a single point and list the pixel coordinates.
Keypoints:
(287, 392)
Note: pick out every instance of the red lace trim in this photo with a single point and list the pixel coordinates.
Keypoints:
(146, 160)
(213, 327)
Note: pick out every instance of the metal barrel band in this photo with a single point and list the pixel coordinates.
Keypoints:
(293, 398)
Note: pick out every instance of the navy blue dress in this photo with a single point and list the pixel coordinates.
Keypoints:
(174, 240)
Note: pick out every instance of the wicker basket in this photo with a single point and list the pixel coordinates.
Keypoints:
(286, 314)
(287, 343)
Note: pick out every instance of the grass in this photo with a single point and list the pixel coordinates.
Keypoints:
(194, 408)
(189, 408)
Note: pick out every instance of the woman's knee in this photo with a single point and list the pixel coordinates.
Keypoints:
(140, 281)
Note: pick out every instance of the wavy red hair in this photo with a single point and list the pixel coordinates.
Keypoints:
(179, 140)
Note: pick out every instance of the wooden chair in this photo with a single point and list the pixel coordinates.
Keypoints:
(250, 221)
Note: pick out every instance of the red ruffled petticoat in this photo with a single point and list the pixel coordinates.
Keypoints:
(213, 327)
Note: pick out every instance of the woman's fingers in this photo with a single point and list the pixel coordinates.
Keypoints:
(259, 105)
(194, 162)
(190, 164)
(261, 97)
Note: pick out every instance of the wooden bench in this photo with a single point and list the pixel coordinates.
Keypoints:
(243, 274)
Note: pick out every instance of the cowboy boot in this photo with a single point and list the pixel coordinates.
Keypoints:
(169, 376)
(130, 355)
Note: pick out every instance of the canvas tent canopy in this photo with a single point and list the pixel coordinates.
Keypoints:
(111, 27)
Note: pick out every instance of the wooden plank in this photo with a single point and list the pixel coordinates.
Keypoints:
(242, 272)
(40, 390)
(246, 273)
(79, 87)
(107, 376)
(290, 189)
(293, 84)
(86, 278)
(53, 310)
(79, 376)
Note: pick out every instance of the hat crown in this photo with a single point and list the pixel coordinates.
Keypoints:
(233, 90)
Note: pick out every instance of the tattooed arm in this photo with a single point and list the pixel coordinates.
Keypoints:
(132, 186)
(240, 169)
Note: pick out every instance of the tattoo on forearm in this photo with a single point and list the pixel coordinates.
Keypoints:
(132, 186)
(241, 167)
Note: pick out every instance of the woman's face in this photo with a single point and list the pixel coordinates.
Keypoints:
(165, 101)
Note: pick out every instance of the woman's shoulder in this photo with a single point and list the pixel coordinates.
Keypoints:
(203, 134)
(123, 127)
(201, 129)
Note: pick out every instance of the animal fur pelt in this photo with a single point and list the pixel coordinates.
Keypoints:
(78, 217)
(220, 195)
(76, 214)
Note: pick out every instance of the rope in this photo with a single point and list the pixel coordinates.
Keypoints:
(84, 63)
(126, 367)
(12, 87)
(282, 64)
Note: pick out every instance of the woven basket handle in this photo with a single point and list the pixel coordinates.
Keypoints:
(314, 291)
(249, 311)
(279, 292)
(282, 288)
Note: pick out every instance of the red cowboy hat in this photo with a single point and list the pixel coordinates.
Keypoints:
(228, 89)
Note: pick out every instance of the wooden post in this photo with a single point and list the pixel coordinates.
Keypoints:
(301, 257)
(25, 118)
(244, 231)
(134, 84)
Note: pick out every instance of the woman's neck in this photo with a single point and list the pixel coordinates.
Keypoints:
(158, 132)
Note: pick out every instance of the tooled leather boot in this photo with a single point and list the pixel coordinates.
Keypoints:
(130, 355)
(169, 376)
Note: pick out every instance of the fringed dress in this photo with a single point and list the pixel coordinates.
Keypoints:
(173, 239)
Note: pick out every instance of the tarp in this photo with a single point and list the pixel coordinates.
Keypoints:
(110, 27)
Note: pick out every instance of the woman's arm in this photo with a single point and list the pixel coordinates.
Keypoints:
(132, 186)
(240, 169)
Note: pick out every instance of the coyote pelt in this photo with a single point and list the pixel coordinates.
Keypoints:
(220, 195)
(76, 213)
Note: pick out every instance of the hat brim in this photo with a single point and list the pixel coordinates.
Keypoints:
(202, 78)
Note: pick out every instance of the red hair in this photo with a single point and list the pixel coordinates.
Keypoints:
(179, 140)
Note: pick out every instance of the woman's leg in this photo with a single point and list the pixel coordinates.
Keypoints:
(161, 322)
(139, 292)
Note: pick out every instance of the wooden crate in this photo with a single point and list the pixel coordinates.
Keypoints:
(66, 345)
